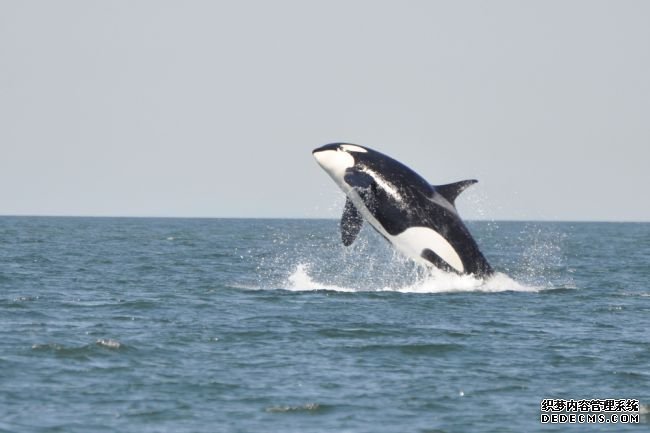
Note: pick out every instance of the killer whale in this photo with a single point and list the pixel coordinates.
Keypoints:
(419, 219)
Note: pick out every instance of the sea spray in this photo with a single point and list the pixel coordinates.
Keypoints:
(432, 281)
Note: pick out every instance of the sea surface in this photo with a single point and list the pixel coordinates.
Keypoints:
(245, 325)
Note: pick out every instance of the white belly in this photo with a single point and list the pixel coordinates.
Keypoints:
(414, 240)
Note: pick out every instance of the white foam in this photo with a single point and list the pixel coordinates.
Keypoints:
(435, 281)
(300, 281)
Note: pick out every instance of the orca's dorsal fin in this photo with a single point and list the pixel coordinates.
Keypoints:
(451, 190)
(351, 223)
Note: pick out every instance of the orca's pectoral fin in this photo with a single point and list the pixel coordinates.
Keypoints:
(351, 223)
(452, 190)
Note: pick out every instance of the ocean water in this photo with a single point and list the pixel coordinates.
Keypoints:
(235, 325)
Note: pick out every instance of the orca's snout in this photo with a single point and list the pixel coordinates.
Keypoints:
(320, 155)
(333, 160)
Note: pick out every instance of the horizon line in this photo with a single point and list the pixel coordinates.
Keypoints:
(545, 220)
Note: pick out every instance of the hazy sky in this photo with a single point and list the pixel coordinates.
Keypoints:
(212, 108)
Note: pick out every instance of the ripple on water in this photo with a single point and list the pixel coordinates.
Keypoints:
(77, 352)
(307, 407)
(411, 349)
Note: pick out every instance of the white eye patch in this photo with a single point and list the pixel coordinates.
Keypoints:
(353, 148)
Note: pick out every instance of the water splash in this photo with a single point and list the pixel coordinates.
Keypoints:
(309, 258)
(434, 281)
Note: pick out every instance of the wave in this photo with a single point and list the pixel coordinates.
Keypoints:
(82, 351)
